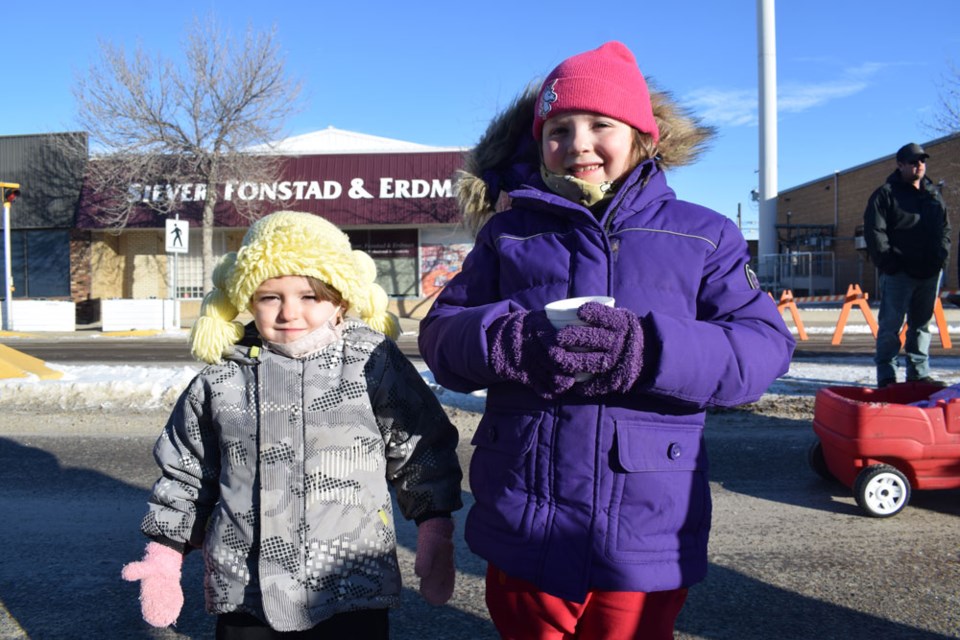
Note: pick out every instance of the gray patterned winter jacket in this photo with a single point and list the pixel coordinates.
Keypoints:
(278, 469)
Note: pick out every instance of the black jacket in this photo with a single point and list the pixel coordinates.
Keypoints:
(907, 229)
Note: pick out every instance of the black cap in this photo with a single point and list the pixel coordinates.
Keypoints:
(911, 152)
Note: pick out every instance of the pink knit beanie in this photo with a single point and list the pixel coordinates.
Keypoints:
(605, 80)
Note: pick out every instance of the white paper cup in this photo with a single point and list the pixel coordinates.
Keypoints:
(563, 313)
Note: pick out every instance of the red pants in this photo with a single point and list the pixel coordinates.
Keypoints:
(522, 612)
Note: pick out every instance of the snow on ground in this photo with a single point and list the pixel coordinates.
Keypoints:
(99, 387)
(113, 387)
(807, 375)
(117, 387)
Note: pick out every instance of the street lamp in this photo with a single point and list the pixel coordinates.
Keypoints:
(9, 191)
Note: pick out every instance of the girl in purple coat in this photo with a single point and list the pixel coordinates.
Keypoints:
(589, 470)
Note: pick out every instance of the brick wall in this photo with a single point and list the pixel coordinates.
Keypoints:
(81, 278)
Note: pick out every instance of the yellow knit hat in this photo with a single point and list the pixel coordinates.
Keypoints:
(287, 243)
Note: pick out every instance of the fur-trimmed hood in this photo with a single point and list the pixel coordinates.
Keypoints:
(507, 155)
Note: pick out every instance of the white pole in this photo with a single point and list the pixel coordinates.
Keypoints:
(766, 32)
(176, 297)
(7, 271)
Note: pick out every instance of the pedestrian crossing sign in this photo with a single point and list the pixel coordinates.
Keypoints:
(178, 236)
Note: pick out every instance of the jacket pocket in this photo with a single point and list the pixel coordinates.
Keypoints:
(507, 433)
(502, 471)
(661, 499)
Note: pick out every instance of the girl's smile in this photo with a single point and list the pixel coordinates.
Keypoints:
(588, 146)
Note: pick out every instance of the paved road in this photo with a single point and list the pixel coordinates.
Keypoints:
(71, 506)
(92, 346)
(791, 556)
(819, 345)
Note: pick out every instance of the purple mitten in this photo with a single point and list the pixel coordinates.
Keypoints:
(161, 596)
(610, 347)
(522, 345)
(434, 562)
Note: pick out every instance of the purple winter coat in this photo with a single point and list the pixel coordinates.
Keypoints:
(606, 493)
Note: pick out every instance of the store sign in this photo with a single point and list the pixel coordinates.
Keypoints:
(384, 188)
(348, 189)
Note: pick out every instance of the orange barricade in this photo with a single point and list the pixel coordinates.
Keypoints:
(941, 325)
(855, 296)
(787, 302)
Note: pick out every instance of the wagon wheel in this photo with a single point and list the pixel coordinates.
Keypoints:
(881, 490)
(817, 462)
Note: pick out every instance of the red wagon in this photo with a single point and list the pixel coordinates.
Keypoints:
(878, 444)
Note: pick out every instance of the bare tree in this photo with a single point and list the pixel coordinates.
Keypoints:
(154, 122)
(946, 119)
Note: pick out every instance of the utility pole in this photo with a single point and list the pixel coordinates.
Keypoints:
(9, 191)
(766, 37)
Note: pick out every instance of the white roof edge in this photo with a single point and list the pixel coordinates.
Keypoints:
(339, 141)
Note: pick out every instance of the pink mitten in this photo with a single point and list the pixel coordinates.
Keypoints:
(161, 597)
(434, 563)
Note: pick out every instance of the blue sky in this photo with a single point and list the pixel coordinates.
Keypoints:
(856, 79)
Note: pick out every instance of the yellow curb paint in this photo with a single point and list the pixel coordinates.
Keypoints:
(16, 364)
(10, 371)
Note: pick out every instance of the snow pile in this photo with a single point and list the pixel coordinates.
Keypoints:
(805, 377)
(475, 401)
(144, 388)
(99, 387)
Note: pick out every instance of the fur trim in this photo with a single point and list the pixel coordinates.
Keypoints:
(683, 137)
(507, 141)
(507, 153)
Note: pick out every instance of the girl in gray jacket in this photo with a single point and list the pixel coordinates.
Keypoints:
(276, 459)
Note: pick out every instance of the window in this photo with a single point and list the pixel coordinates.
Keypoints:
(189, 272)
(40, 264)
(394, 251)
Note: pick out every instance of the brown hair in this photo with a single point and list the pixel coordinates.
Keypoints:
(325, 292)
(644, 147)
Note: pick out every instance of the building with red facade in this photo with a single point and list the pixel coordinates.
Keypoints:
(396, 202)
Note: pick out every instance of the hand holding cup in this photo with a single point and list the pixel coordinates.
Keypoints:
(563, 313)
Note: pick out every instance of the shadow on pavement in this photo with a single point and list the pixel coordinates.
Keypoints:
(732, 606)
(68, 532)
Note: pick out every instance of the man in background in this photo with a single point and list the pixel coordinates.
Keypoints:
(908, 239)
